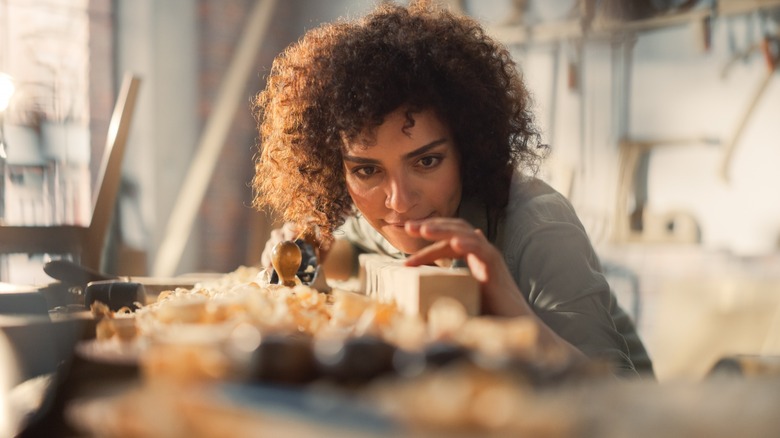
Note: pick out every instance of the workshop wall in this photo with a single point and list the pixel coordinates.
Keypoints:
(660, 88)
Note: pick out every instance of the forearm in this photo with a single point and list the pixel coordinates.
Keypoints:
(512, 304)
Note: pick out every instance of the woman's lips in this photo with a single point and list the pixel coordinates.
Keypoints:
(401, 223)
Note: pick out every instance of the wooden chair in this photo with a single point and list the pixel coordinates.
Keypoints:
(85, 244)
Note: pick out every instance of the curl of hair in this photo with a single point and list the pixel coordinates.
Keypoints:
(340, 80)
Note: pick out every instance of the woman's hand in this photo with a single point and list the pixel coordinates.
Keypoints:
(456, 239)
(288, 231)
(335, 260)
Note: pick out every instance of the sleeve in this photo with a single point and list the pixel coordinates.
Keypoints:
(558, 271)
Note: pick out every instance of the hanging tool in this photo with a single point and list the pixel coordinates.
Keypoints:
(769, 47)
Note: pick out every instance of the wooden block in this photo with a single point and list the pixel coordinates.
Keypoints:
(415, 289)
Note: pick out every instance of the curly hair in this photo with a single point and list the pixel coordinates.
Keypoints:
(341, 79)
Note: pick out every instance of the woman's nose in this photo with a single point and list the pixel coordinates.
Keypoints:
(400, 195)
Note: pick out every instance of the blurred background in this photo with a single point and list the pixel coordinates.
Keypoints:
(662, 117)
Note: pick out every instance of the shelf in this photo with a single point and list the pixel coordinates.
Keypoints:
(608, 29)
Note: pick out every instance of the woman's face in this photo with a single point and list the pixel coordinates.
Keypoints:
(410, 172)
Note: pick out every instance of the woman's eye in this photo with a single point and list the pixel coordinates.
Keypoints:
(429, 161)
(364, 171)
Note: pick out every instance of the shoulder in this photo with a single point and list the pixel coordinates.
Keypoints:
(540, 225)
(533, 202)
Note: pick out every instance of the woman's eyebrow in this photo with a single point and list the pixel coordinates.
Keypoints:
(358, 160)
(417, 152)
(423, 149)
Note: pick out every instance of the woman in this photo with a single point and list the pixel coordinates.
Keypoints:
(409, 133)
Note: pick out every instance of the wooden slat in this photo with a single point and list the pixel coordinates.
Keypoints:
(110, 175)
(415, 289)
(36, 240)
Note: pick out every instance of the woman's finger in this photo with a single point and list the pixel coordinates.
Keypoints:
(289, 231)
(473, 242)
(431, 253)
(454, 237)
(438, 228)
(265, 258)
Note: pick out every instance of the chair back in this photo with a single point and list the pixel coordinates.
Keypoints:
(110, 172)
